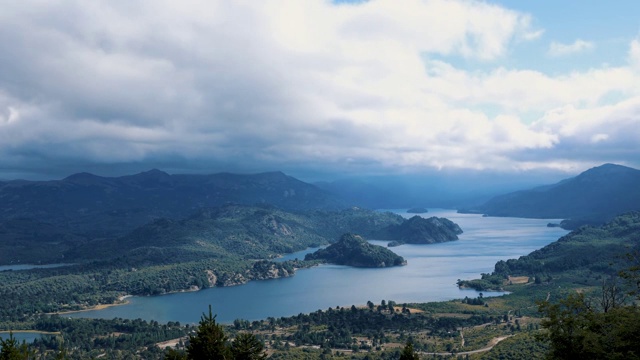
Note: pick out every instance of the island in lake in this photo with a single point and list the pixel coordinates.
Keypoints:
(354, 250)
(418, 230)
(417, 210)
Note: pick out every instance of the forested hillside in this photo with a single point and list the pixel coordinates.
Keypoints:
(595, 196)
(106, 206)
(353, 250)
(418, 230)
(584, 256)
(223, 246)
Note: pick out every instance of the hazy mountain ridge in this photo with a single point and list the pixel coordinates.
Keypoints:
(597, 194)
(114, 205)
(436, 189)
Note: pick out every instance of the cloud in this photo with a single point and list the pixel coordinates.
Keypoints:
(284, 84)
(557, 49)
(533, 35)
(634, 54)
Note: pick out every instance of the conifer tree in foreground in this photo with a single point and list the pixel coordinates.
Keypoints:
(247, 347)
(210, 342)
(408, 353)
(10, 349)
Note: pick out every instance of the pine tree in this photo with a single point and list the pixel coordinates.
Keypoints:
(11, 350)
(210, 342)
(247, 347)
(408, 353)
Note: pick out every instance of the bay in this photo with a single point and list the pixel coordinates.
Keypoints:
(430, 275)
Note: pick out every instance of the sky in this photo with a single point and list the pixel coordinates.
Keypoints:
(318, 88)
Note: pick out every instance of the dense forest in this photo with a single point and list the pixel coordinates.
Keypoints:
(353, 250)
(418, 230)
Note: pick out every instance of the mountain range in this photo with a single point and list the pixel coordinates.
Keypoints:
(594, 196)
(88, 203)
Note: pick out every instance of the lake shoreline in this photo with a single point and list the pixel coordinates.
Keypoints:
(30, 332)
(122, 300)
(92, 308)
(430, 276)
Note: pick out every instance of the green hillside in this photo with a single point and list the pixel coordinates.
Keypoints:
(595, 196)
(353, 250)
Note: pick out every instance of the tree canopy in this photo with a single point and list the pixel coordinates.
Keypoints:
(210, 342)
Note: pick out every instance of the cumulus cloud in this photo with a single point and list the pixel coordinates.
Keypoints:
(284, 84)
(557, 49)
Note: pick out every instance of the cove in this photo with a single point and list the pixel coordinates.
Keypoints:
(430, 275)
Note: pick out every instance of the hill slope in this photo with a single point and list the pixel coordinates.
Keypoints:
(353, 250)
(581, 257)
(232, 231)
(597, 194)
(106, 206)
(418, 230)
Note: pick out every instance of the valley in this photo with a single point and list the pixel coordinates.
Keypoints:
(231, 257)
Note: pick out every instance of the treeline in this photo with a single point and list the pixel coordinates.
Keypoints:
(340, 332)
(340, 328)
(26, 293)
(92, 338)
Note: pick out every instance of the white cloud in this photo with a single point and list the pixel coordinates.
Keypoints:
(557, 49)
(533, 35)
(286, 82)
(634, 54)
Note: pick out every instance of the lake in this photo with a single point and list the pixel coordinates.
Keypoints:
(430, 275)
(18, 267)
(26, 336)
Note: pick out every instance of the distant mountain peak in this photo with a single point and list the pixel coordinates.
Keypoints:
(153, 173)
(82, 177)
(608, 168)
(597, 194)
(273, 175)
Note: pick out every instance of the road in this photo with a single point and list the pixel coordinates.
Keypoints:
(490, 346)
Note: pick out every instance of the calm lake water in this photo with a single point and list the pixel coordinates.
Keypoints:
(29, 266)
(21, 336)
(430, 275)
